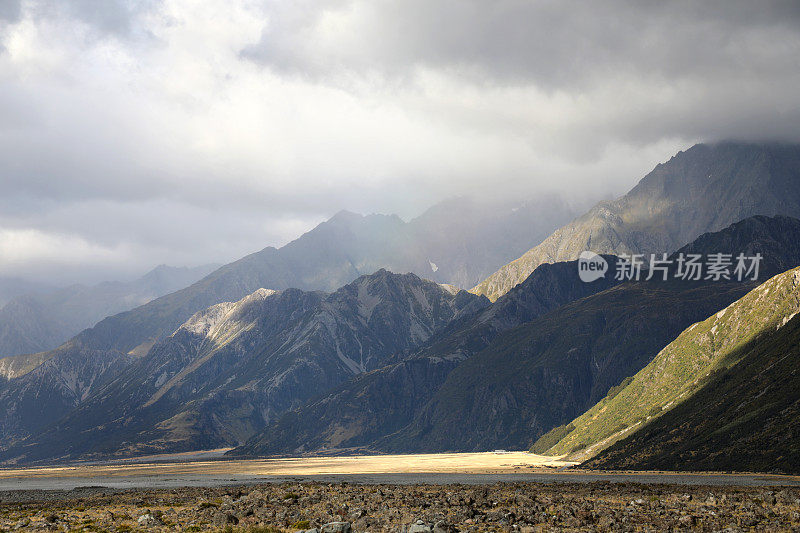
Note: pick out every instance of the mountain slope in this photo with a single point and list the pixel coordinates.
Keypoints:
(385, 400)
(579, 350)
(230, 369)
(543, 373)
(684, 366)
(746, 417)
(41, 321)
(703, 189)
(49, 388)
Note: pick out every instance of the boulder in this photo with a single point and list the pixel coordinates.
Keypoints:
(336, 527)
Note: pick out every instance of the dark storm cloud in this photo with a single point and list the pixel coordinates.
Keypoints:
(118, 18)
(695, 70)
(10, 10)
(551, 43)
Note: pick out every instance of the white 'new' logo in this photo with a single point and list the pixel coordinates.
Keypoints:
(591, 266)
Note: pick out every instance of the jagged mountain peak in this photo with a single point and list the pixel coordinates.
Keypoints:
(452, 289)
(204, 323)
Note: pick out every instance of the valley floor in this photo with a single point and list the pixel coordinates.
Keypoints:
(189, 470)
(522, 507)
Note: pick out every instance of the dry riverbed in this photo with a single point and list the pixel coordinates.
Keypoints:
(339, 508)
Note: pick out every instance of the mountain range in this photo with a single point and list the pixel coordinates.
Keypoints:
(332, 254)
(703, 189)
(319, 346)
(229, 370)
(338, 251)
(384, 401)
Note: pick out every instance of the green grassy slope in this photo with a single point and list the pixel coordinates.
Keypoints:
(746, 418)
(683, 367)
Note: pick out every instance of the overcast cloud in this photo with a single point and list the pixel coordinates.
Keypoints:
(138, 133)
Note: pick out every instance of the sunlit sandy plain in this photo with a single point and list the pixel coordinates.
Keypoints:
(471, 463)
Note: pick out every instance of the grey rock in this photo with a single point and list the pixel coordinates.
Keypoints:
(148, 520)
(443, 527)
(418, 527)
(225, 519)
(336, 527)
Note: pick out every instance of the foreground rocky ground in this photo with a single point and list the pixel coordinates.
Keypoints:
(340, 508)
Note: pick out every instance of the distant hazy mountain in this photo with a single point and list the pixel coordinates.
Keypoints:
(11, 288)
(527, 373)
(230, 369)
(705, 188)
(41, 320)
(462, 238)
(725, 395)
(461, 241)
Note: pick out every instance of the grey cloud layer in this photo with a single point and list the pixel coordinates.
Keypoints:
(145, 132)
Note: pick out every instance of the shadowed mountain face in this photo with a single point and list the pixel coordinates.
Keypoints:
(41, 320)
(543, 373)
(684, 366)
(703, 189)
(232, 368)
(743, 415)
(527, 374)
(381, 402)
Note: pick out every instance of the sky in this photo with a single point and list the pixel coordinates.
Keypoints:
(185, 132)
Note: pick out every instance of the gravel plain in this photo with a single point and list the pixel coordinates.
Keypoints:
(359, 507)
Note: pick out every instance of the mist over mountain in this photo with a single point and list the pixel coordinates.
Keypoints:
(439, 245)
(40, 320)
(705, 188)
(11, 288)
